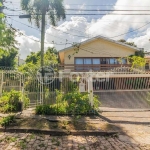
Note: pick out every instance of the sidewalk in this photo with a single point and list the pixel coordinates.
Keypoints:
(135, 124)
(107, 109)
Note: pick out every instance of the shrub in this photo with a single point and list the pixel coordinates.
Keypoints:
(71, 103)
(59, 108)
(78, 103)
(11, 101)
(6, 121)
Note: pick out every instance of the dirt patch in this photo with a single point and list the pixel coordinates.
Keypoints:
(44, 124)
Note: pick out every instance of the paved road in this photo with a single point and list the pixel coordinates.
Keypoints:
(135, 125)
(10, 141)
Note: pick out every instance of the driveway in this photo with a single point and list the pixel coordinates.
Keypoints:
(134, 124)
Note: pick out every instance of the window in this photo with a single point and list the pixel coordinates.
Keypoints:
(112, 61)
(87, 61)
(79, 61)
(97, 62)
(147, 66)
(124, 61)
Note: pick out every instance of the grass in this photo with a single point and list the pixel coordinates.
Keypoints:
(61, 125)
(8, 139)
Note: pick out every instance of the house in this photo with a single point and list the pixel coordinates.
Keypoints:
(97, 54)
(147, 65)
(101, 54)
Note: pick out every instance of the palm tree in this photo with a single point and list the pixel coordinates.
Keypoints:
(41, 11)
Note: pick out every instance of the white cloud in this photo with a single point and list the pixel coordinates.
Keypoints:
(77, 26)
(28, 44)
(108, 25)
(142, 41)
(67, 6)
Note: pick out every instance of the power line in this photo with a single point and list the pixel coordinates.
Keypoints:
(32, 38)
(88, 37)
(131, 31)
(40, 30)
(73, 9)
(91, 4)
(86, 14)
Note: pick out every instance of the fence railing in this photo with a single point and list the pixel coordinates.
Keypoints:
(43, 90)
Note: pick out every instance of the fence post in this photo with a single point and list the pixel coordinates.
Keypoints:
(90, 90)
(1, 87)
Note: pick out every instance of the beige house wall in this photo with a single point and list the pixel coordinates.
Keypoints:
(97, 48)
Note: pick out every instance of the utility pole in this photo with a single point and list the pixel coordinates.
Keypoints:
(42, 37)
(1, 13)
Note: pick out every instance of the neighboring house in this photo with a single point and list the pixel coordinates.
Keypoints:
(98, 53)
(147, 65)
(21, 62)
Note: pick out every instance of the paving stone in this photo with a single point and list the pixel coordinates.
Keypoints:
(76, 142)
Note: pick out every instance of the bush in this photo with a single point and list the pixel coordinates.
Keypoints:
(11, 101)
(78, 103)
(71, 103)
(59, 108)
(6, 121)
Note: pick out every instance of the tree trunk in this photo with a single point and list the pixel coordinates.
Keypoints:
(42, 39)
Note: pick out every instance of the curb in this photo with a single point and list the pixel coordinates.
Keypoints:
(59, 133)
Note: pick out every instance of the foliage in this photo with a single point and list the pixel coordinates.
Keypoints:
(6, 121)
(137, 61)
(38, 7)
(11, 101)
(71, 103)
(33, 58)
(51, 56)
(128, 43)
(33, 61)
(140, 53)
(41, 12)
(78, 103)
(8, 57)
(8, 49)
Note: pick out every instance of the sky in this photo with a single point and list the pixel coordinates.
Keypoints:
(77, 28)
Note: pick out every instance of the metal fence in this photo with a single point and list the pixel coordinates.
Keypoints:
(43, 90)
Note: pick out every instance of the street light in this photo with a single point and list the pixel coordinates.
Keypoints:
(25, 16)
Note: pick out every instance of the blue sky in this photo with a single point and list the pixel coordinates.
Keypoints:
(80, 28)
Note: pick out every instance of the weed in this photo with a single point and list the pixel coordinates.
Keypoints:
(53, 140)
(8, 139)
(32, 136)
(42, 145)
(82, 148)
(22, 144)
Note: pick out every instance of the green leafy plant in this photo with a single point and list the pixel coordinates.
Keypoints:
(6, 121)
(11, 101)
(70, 103)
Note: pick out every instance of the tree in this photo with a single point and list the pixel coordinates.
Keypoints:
(33, 60)
(8, 57)
(8, 49)
(128, 43)
(39, 10)
(137, 61)
(51, 56)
